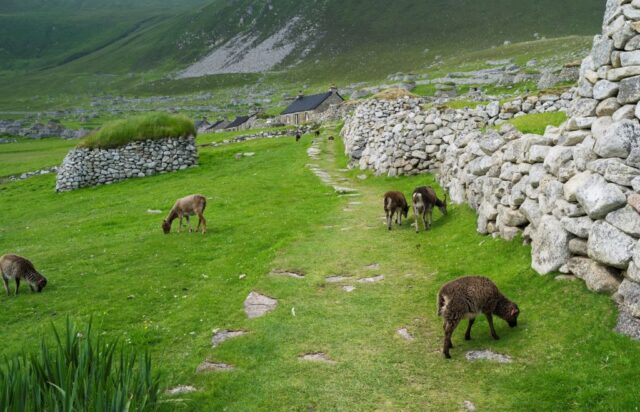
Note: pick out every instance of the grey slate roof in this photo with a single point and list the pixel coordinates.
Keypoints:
(240, 120)
(307, 103)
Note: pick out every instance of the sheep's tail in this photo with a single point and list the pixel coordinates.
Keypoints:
(440, 303)
(387, 203)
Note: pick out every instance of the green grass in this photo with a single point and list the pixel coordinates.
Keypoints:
(146, 127)
(166, 294)
(537, 123)
(463, 103)
(205, 138)
(28, 155)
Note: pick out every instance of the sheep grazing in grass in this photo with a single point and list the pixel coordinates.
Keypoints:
(466, 298)
(331, 138)
(16, 267)
(424, 199)
(186, 207)
(395, 204)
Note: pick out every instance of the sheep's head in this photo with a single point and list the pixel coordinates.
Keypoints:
(512, 315)
(166, 227)
(405, 211)
(40, 284)
(443, 206)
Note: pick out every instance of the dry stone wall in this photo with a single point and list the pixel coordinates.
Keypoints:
(92, 167)
(572, 192)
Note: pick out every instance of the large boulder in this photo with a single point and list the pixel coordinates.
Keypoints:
(626, 219)
(610, 246)
(597, 277)
(618, 139)
(598, 197)
(579, 226)
(550, 247)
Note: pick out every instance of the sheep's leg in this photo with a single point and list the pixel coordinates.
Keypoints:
(493, 331)
(399, 212)
(449, 327)
(415, 219)
(389, 218)
(5, 282)
(180, 225)
(467, 335)
(189, 223)
(424, 220)
(17, 285)
(201, 220)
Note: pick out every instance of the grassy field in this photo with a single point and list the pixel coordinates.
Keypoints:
(106, 257)
(28, 155)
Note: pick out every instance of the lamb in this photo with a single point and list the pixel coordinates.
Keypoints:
(185, 207)
(424, 198)
(17, 267)
(395, 204)
(466, 298)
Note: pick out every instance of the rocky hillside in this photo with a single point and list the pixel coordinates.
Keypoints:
(223, 36)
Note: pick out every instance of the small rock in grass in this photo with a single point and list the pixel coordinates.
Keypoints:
(404, 334)
(317, 357)
(348, 288)
(488, 355)
(224, 335)
(181, 390)
(154, 211)
(373, 266)
(372, 279)
(242, 276)
(287, 273)
(208, 366)
(469, 406)
(256, 305)
(336, 279)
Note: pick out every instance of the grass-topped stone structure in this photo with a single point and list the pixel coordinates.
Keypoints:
(135, 147)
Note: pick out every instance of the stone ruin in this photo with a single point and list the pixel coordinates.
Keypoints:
(572, 192)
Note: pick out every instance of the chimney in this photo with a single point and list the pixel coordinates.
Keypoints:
(333, 89)
(300, 94)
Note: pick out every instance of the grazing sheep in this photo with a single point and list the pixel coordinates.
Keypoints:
(424, 198)
(298, 135)
(395, 204)
(17, 267)
(317, 133)
(468, 297)
(331, 138)
(185, 207)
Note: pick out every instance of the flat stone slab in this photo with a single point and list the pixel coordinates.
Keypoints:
(181, 390)
(372, 279)
(337, 279)
(344, 190)
(317, 357)
(287, 273)
(208, 366)
(348, 288)
(627, 324)
(224, 335)
(404, 334)
(256, 305)
(153, 212)
(373, 266)
(487, 355)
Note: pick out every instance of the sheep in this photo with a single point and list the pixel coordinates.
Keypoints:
(468, 297)
(17, 267)
(185, 207)
(395, 204)
(331, 138)
(424, 198)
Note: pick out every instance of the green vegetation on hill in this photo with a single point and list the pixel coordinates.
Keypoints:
(166, 294)
(145, 127)
(537, 123)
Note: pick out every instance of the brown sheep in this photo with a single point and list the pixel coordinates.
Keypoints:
(424, 198)
(185, 207)
(466, 298)
(395, 204)
(16, 267)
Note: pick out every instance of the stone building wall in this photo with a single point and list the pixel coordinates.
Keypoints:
(92, 167)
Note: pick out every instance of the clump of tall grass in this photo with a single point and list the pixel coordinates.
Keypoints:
(78, 373)
(150, 126)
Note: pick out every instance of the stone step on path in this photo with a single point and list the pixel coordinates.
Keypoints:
(224, 335)
(487, 355)
(314, 153)
(209, 366)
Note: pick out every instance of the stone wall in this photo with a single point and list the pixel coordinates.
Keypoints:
(92, 167)
(571, 192)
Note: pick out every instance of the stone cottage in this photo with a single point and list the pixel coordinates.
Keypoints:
(308, 108)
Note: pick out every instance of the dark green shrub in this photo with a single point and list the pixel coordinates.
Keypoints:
(79, 373)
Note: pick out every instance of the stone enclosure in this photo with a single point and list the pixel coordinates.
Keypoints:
(90, 167)
(571, 192)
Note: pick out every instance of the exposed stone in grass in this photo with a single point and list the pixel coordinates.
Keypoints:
(224, 335)
(488, 355)
(348, 288)
(344, 190)
(154, 211)
(469, 406)
(208, 366)
(181, 390)
(287, 273)
(337, 279)
(564, 278)
(373, 266)
(317, 357)
(355, 203)
(257, 305)
(362, 177)
(404, 334)
(372, 279)
(627, 324)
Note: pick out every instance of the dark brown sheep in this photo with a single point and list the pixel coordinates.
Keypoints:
(424, 199)
(466, 298)
(395, 204)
